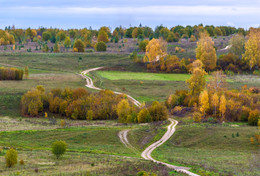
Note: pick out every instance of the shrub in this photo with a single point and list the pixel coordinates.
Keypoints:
(158, 111)
(254, 115)
(100, 46)
(32, 103)
(177, 110)
(11, 157)
(142, 173)
(143, 44)
(197, 116)
(62, 123)
(11, 73)
(144, 116)
(59, 148)
(21, 162)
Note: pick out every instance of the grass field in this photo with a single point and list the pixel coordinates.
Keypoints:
(116, 75)
(211, 147)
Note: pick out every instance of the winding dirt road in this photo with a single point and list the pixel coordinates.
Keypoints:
(123, 134)
(91, 85)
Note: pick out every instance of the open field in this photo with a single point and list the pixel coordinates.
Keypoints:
(211, 147)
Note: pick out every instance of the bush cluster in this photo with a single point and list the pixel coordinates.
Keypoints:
(240, 105)
(100, 46)
(11, 73)
(80, 104)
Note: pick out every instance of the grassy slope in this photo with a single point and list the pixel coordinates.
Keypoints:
(204, 146)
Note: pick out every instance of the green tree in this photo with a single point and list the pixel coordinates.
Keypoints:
(143, 44)
(58, 148)
(237, 45)
(46, 36)
(61, 36)
(100, 46)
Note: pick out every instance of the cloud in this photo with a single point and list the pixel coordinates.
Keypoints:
(146, 10)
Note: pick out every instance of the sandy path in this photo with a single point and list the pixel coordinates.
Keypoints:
(123, 134)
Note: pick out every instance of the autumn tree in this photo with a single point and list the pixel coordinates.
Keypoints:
(192, 38)
(217, 82)
(155, 50)
(215, 102)
(67, 42)
(237, 45)
(123, 110)
(158, 111)
(144, 116)
(252, 49)
(56, 48)
(61, 36)
(102, 36)
(197, 80)
(222, 106)
(204, 102)
(137, 32)
(206, 52)
(79, 45)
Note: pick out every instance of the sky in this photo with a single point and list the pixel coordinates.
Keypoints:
(96, 13)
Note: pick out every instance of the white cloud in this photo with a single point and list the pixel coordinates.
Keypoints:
(148, 10)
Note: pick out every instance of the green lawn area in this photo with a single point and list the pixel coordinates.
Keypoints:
(117, 75)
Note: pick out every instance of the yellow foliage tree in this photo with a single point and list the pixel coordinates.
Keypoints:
(197, 80)
(223, 106)
(206, 52)
(123, 110)
(155, 50)
(102, 36)
(252, 46)
(204, 102)
(215, 102)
